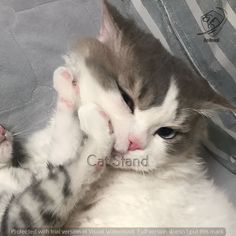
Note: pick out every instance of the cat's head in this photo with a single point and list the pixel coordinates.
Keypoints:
(165, 96)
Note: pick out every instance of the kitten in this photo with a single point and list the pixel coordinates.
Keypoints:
(42, 178)
(54, 159)
(161, 119)
(167, 102)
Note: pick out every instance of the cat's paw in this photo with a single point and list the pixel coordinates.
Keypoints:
(66, 87)
(94, 122)
(122, 133)
(5, 146)
(122, 142)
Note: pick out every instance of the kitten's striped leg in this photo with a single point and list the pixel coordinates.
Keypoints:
(49, 202)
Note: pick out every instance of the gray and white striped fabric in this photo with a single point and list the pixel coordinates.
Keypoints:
(179, 25)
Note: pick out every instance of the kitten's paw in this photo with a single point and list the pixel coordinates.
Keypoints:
(66, 87)
(122, 134)
(95, 123)
(122, 142)
(5, 146)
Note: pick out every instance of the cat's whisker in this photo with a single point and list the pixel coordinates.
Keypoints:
(20, 165)
(21, 132)
(143, 173)
(15, 134)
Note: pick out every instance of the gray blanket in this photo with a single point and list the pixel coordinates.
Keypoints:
(34, 34)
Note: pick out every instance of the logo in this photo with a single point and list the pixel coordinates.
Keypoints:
(212, 23)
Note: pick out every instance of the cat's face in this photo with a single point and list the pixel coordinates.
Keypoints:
(164, 96)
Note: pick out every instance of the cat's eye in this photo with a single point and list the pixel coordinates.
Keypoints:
(128, 100)
(166, 132)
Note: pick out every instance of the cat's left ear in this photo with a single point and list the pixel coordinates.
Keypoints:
(111, 24)
(213, 101)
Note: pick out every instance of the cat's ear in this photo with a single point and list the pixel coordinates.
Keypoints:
(110, 29)
(212, 102)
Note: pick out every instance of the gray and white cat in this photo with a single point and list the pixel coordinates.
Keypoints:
(155, 179)
(44, 177)
(170, 187)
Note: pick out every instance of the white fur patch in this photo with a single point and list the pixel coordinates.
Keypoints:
(148, 121)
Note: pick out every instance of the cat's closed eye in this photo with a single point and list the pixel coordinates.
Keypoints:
(166, 133)
(128, 100)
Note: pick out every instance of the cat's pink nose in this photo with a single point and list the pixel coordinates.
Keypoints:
(2, 131)
(134, 144)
